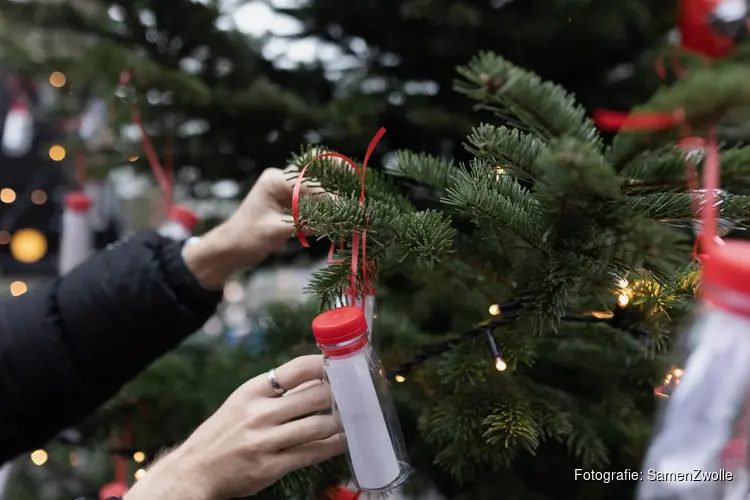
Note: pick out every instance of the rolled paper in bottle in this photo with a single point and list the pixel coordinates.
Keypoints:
(18, 131)
(77, 239)
(180, 224)
(369, 309)
(350, 367)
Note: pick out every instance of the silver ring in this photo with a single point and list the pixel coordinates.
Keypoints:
(275, 382)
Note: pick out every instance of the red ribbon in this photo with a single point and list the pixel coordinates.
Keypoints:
(637, 122)
(340, 493)
(162, 177)
(676, 65)
(357, 234)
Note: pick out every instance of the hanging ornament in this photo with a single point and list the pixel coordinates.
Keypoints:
(712, 28)
(104, 203)
(180, 223)
(18, 131)
(93, 126)
(77, 239)
(703, 197)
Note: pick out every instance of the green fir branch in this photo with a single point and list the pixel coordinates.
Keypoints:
(545, 109)
(511, 150)
(495, 201)
(426, 169)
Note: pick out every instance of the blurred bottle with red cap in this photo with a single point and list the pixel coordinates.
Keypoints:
(698, 450)
(362, 400)
(180, 224)
(77, 240)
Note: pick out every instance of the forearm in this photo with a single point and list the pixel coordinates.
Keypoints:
(171, 477)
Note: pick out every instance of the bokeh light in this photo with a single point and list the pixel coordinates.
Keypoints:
(18, 288)
(28, 246)
(57, 153)
(57, 79)
(39, 197)
(39, 457)
(7, 195)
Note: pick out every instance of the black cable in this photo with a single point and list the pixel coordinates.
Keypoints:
(509, 312)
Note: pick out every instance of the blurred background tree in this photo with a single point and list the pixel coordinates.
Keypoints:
(407, 51)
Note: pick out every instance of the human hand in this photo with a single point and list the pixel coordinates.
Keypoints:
(259, 227)
(254, 439)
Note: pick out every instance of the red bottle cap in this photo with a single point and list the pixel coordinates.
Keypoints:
(184, 217)
(115, 489)
(78, 201)
(338, 326)
(727, 269)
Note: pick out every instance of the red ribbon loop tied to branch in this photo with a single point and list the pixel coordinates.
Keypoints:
(164, 179)
(357, 236)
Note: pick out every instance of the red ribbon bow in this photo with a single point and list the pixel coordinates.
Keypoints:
(357, 235)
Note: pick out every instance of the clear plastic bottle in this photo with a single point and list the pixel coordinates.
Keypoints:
(699, 449)
(76, 244)
(362, 400)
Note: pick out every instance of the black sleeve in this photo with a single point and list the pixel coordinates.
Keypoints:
(67, 347)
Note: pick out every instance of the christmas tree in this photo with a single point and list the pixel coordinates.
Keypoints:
(603, 53)
(564, 260)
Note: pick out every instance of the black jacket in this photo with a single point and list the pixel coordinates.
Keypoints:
(67, 347)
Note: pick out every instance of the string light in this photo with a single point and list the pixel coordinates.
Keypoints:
(57, 79)
(18, 288)
(623, 283)
(500, 364)
(495, 309)
(57, 153)
(132, 157)
(38, 197)
(671, 381)
(623, 299)
(7, 195)
(602, 314)
(139, 456)
(400, 379)
(499, 171)
(39, 457)
(139, 474)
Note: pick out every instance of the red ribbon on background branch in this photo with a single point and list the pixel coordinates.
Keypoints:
(707, 240)
(162, 177)
(357, 235)
(619, 121)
